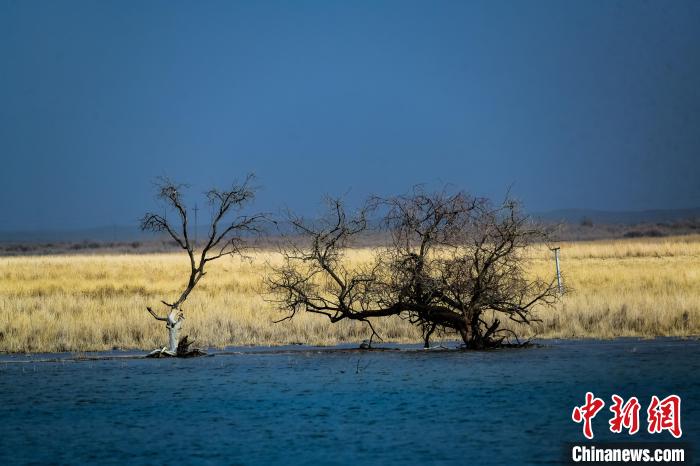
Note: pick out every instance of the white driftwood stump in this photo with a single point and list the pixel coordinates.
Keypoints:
(175, 348)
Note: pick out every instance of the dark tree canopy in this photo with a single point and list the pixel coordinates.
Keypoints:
(454, 264)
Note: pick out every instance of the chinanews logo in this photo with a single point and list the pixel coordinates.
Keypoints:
(662, 415)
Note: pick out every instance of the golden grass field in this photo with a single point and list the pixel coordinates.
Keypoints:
(637, 287)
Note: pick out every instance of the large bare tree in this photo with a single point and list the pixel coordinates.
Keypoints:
(229, 232)
(453, 264)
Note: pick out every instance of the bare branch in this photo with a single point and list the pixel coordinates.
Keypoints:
(453, 258)
(230, 240)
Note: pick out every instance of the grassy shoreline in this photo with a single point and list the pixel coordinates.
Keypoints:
(645, 287)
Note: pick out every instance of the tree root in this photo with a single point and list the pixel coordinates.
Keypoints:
(183, 351)
(493, 344)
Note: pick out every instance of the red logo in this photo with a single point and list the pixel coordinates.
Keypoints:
(626, 415)
(661, 415)
(665, 415)
(587, 412)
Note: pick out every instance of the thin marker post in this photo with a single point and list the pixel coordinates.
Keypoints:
(556, 261)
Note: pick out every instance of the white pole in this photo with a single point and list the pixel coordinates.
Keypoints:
(556, 260)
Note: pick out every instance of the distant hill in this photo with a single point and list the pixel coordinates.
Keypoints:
(130, 233)
(117, 233)
(575, 216)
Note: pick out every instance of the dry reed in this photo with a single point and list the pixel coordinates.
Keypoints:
(640, 287)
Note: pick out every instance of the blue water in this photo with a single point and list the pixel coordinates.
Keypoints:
(305, 406)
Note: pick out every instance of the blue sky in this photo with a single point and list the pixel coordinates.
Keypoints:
(591, 104)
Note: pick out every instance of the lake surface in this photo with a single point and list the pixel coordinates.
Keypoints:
(308, 406)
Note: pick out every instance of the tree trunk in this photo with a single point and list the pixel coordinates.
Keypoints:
(464, 334)
(173, 323)
(427, 332)
(173, 334)
(176, 348)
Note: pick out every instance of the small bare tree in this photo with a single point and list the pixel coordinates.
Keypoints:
(228, 235)
(453, 264)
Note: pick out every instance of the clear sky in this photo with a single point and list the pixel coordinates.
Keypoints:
(592, 104)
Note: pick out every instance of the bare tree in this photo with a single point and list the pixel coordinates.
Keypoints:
(228, 234)
(454, 264)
